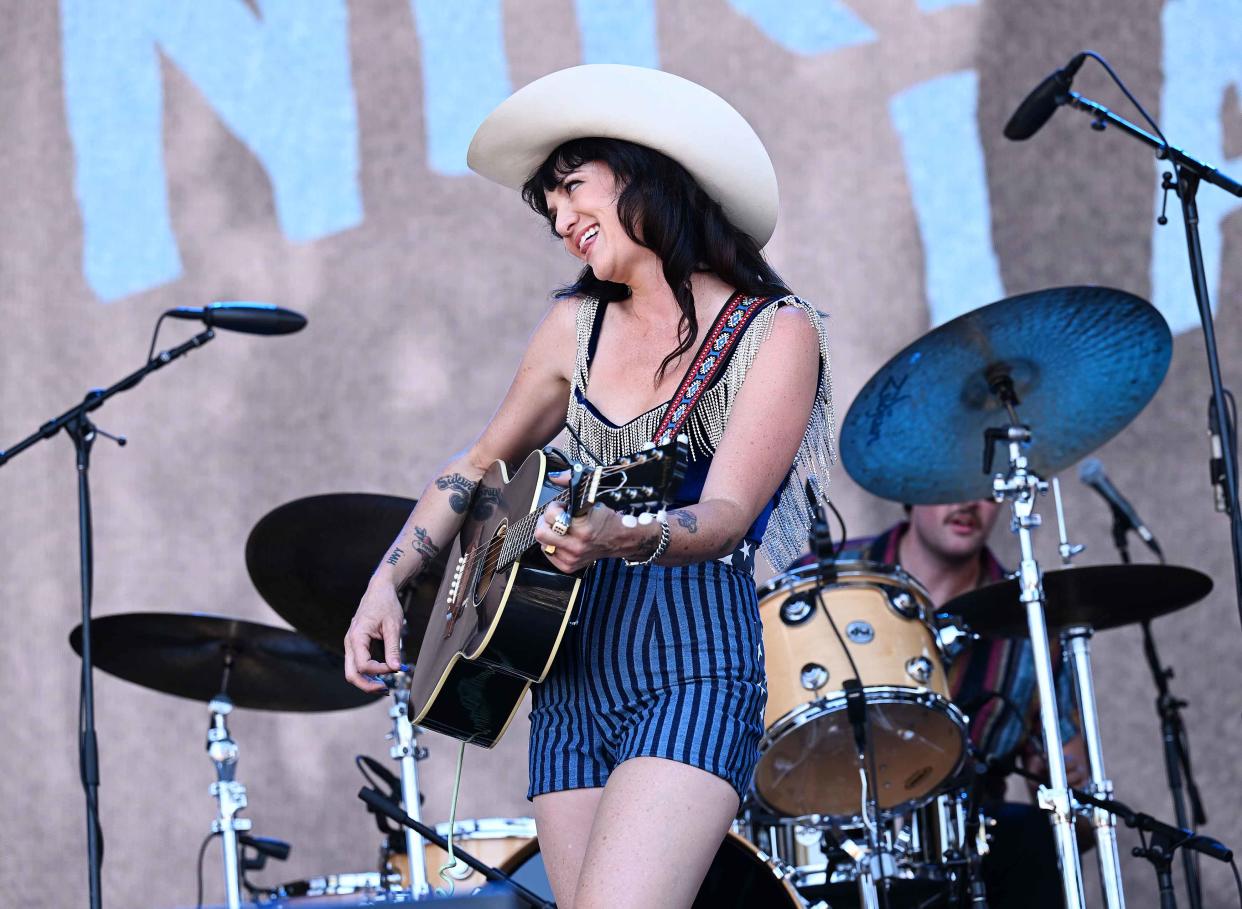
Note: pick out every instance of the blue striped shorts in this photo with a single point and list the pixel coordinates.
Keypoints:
(663, 662)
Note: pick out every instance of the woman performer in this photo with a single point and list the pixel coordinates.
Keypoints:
(644, 735)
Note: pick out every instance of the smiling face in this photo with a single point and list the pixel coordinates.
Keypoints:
(953, 533)
(582, 211)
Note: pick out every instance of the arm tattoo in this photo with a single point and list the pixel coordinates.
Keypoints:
(460, 491)
(687, 519)
(395, 556)
(423, 544)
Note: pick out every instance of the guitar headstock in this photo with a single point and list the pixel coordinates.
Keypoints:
(642, 483)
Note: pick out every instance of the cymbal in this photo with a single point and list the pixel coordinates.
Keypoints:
(1102, 596)
(1084, 361)
(311, 560)
(186, 654)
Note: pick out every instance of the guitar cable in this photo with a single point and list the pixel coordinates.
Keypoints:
(452, 862)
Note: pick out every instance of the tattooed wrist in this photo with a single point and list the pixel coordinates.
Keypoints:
(687, 520)
(395, 556)
(424, 545)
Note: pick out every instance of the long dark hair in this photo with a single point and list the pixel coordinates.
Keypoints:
(663, 205)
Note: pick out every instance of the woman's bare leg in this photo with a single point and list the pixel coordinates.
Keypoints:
(564, 821)
(657, 828)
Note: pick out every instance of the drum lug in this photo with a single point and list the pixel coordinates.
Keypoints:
(814, 676)
(920, 669)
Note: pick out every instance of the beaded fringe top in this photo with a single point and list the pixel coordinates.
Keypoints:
(595, 442)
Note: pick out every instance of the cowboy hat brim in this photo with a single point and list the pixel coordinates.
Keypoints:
(695, 127)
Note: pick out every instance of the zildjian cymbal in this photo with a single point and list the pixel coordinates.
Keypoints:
(1081, 361)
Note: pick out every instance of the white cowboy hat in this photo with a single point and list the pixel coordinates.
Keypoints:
(695, 127)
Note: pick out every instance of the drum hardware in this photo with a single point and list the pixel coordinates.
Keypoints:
(406, 750)
(230, 793)
(1067, 549)
(1020, 486)
(383, 805)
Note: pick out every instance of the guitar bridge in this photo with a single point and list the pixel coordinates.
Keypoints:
(458, 572)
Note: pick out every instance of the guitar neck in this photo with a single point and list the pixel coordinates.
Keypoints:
(521, 533)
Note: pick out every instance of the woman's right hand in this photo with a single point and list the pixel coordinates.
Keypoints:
(378, 618)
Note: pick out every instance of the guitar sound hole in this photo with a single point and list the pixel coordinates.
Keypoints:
(487, 568)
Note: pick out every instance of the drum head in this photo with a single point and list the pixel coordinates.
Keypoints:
(808, 765)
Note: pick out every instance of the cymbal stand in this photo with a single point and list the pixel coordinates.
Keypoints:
(406, 749)
(229, 793)
(1021, 487)
(1076, 642)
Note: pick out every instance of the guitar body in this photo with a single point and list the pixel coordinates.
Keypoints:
(492, 633)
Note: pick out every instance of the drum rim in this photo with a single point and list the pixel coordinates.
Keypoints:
(797, 717)
(791, 577)
(488, 828)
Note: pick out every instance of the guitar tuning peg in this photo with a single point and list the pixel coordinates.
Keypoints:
(646, 518)
(628, 520)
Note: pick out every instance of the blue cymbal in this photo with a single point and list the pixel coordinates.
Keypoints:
(1084, 361)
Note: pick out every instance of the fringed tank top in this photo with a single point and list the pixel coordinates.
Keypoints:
(594, 440)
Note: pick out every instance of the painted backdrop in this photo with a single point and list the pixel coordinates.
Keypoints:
(311, 153)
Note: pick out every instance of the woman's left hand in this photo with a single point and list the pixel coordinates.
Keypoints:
(594, 535)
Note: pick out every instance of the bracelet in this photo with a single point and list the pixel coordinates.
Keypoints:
(660, 549)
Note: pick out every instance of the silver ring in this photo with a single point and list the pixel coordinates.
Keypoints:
(561, 525)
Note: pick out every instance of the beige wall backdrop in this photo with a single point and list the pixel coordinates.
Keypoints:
(309, 154)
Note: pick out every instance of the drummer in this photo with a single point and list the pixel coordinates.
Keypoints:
(944, 547)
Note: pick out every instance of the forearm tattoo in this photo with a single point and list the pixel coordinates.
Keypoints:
(686, 519)
(460, 491)
(395, 556)
(423, 544)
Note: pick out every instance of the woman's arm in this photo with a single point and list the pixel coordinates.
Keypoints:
(766, 425)
(530, 415)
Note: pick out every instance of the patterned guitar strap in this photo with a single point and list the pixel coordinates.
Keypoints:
(713, 357)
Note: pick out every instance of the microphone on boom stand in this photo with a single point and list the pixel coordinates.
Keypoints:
(1039, 106)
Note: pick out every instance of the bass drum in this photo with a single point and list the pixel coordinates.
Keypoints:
(740, 876)
(876, 620)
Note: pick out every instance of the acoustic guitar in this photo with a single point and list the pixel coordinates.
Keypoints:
(502, 608)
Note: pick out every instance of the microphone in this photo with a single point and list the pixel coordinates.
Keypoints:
(1092, 473)
(1216, 465)
(250, 318)
(1037, 107)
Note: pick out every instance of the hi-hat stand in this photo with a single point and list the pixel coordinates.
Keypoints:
(408, 752)
(230, 794)
(1020, 486)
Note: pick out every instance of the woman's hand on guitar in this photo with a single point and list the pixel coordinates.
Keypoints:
(595, 535)
(378, 618)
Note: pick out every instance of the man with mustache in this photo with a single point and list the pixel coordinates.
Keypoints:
(944, 547)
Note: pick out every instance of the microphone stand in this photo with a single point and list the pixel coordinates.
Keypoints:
(1172, 734)
(1190, 172)
(78, 426)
